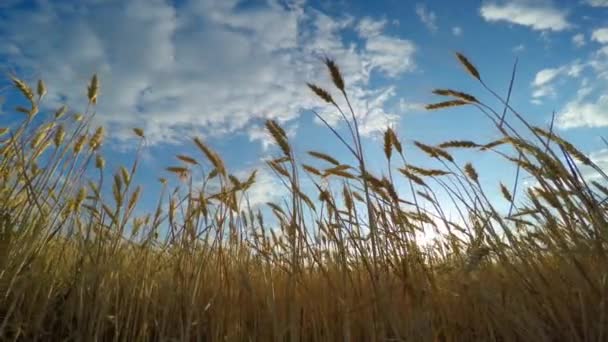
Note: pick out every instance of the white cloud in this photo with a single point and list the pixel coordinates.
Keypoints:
(545, 76)
(457, 30)
(200, 67)
(543, 83)
(597, 3)
(600, 35)
(580, 113)
(536, 15)
(428, 18)
(578, 40)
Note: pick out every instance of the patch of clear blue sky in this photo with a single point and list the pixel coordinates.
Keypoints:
(490, 45)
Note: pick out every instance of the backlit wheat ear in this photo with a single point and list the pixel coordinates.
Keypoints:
(459, 144)
(79, 143)
(60, 112)
(412, 176)
(311, 169)
(322, 93)
(324, 156)
(434, 152)
(336, 76)
(395, 140)
(446, 104)
(470, 171)
(41, 89)
(388, 144)
(139, 132)
(213, 157)
(93, 89)
(279, 135)
(186, 159)
(97, 138)
(24, 88)
(455, 93)
(468, 66)
(100, 163)
(505, 193)
(59, 136)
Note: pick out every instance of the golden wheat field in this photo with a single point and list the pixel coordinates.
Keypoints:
(343, 263)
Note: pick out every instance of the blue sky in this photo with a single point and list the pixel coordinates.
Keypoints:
(219, 69)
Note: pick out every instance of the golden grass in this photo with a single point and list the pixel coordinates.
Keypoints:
(77, 264)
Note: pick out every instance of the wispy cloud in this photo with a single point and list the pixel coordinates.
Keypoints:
(543, 83)
(457, 31)
(428, 18)
(534, 14)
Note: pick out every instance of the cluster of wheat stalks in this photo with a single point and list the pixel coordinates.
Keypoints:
(76, 264)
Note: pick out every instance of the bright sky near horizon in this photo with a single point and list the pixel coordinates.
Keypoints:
(219, 69)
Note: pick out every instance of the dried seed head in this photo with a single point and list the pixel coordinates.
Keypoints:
(322, 93)
(279, 135)
(470, 171)
(59, 113)
(97, 138)
(324, 156)
(139, 132)
(455, 93)
(24, 88)
(100, 163)
(446, 104)
(213, 157)
(505, 193)
(93, 89)
(41, 90)
(79, 143)
(336, 76)
(468, 66)
(388, 144)
(59, 136)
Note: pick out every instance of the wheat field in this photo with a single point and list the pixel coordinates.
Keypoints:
(345, 262)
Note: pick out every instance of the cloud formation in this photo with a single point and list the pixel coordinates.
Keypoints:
(199, 67)
(538, 15)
